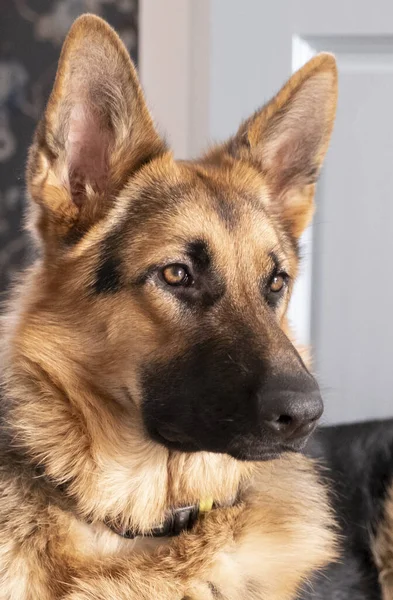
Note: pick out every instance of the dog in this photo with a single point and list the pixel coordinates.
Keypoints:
(149, 380)
(357, 462)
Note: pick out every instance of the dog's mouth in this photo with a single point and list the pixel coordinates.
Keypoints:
(247, 449)
(173, 439)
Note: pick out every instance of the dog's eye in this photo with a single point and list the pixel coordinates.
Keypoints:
(275, 288)
(176, 275)
(277, 283)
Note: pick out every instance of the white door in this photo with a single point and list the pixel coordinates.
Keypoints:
(206, 64)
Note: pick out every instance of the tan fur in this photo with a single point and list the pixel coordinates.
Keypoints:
(72, 390)
(383, 548)
(269, 542)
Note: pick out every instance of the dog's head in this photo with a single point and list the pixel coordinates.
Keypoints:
(167, 282)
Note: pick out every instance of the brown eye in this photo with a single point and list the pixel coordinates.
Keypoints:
(277, 283)
(176, 275)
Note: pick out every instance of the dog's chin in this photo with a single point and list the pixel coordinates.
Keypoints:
(264, 453)
(171, 441)
(261, 455)
(242, 449)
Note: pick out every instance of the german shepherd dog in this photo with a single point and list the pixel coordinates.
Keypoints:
(148, 376)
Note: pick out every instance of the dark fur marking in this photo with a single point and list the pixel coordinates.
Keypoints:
(226, 211)
(275, 261)
(107, 279)
(215, 591)
(199, 253)
(74, 235)
(108, 274)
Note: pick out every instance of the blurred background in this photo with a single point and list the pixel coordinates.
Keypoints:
(207, 64)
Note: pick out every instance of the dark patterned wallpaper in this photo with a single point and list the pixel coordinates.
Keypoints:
(31, 35)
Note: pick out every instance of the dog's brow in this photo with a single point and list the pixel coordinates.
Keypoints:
(275, 260)
(198, 252)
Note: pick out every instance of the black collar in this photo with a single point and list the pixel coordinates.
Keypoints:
(178, 520)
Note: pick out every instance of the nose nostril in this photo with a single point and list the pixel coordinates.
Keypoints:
(284, 420)
(289, 416)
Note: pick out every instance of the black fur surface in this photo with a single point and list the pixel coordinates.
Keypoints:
(357, 460)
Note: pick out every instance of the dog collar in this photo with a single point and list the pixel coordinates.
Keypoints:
(178, 520)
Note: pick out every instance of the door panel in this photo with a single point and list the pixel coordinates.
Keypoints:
(353, 237)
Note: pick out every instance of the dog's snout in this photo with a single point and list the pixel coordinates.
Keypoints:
(291, 415)
(250, 409)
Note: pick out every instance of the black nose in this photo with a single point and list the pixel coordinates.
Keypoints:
(290, 415)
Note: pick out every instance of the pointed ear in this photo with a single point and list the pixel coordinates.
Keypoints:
(95, 133)
(287, 139)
